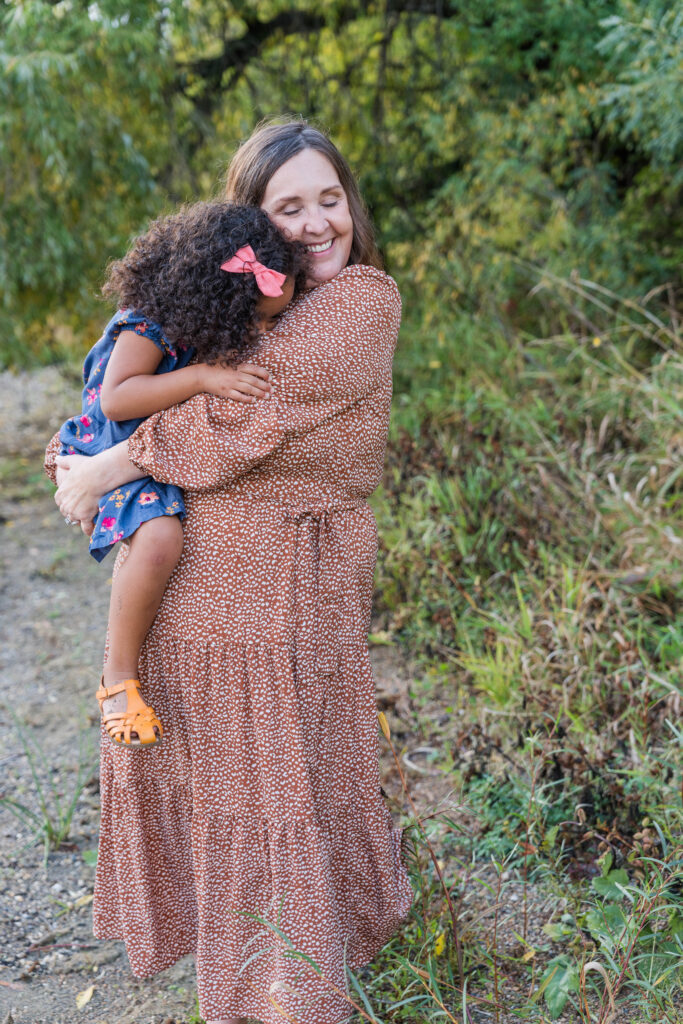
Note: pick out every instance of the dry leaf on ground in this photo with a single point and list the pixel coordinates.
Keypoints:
(84, 997)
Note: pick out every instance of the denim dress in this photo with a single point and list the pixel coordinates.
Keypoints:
(122, 510)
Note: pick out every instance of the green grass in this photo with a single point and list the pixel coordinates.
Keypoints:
(21, 481)
(46, 807)
(531, 567)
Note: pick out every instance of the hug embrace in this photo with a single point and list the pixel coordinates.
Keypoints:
(234, 423)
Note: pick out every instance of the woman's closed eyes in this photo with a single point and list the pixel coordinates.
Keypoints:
(293, 212)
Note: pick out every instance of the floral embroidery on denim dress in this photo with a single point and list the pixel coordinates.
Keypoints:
(124, 509)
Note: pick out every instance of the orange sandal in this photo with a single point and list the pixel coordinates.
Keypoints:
(138, 716)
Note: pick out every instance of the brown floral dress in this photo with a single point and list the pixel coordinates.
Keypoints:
(256, 831)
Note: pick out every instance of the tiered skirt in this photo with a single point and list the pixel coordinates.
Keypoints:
(255, 835)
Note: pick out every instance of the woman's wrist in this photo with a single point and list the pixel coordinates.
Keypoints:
(114, 468)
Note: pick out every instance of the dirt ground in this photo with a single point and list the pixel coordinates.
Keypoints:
(53, 613)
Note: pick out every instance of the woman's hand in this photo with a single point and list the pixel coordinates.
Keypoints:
(83, 479)
(78, 493)
(244, 383)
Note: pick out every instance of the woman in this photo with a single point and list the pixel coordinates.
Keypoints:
(257, 828)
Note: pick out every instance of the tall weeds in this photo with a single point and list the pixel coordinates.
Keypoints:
(530, 519)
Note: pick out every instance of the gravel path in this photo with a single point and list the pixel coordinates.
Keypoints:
(53, 604)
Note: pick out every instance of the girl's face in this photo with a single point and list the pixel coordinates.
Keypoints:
(270, 306)
(305, 199)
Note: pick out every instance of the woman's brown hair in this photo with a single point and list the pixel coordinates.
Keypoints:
(274, 143)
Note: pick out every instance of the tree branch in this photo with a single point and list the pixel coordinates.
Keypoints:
(237, 53)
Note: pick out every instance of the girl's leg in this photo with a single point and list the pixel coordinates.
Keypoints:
(136, 594)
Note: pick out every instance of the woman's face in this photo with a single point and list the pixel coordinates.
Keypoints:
(307, 202)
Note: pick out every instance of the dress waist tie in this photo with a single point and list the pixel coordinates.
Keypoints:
(317, 522)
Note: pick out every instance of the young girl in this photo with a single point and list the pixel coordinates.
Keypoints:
(202, 283)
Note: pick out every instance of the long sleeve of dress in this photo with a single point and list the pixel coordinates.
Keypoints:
(331, 351)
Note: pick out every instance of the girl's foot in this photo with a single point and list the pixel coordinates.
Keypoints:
(127, 719)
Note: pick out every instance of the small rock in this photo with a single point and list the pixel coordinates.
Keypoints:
(89, 961)
(48, 938)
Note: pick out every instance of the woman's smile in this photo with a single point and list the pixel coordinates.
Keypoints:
(320, 247)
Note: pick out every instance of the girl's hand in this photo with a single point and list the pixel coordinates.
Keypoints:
(244, 383)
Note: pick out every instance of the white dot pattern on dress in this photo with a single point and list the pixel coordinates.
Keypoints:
(263, 800)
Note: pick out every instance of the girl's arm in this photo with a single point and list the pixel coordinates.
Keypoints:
(132, 389)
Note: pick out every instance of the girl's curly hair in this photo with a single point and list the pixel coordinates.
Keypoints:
(172, 274)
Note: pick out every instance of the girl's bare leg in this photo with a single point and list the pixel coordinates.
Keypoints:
(136, 594)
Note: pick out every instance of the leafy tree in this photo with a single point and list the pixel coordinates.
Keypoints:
(82, 93)
(485, 133)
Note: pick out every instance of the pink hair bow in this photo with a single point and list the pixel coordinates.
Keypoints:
(244, 261)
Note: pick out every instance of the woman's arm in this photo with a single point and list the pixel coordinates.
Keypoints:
(132, 389)
(83, 479)
(333, 349)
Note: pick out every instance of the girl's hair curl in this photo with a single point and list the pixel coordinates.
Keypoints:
(172, 274)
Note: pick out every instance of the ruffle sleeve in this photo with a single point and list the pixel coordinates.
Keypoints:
(129, 320)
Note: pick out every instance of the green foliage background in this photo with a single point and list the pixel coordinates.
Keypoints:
(523, 165)
(487, 136)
